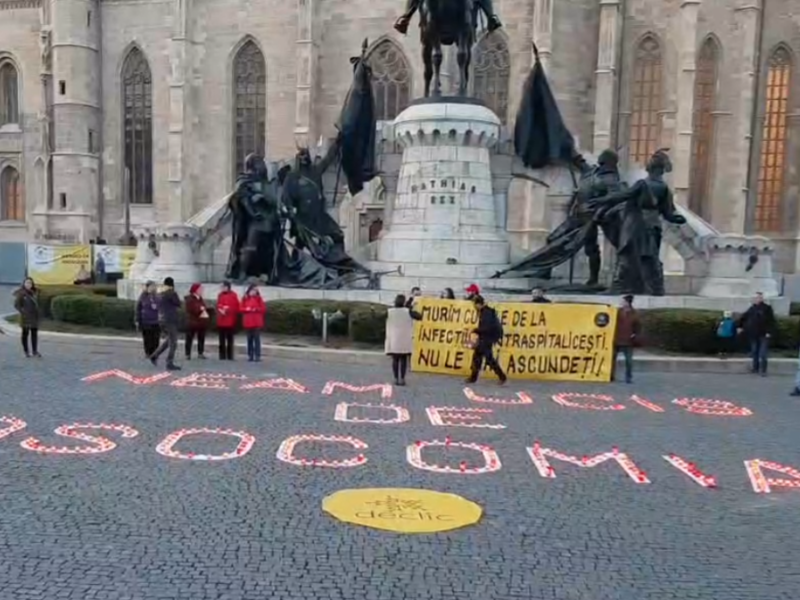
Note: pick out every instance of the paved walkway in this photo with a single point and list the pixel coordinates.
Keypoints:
(131, 523)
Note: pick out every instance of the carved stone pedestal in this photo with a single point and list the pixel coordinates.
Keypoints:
(176, 254)
(443, 227)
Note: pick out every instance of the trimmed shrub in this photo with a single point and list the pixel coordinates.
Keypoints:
(368, 324)
(93, 311)
(48, 292)
(695, 331)
(289, 317)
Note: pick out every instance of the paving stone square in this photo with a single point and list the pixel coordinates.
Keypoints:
(132, 523)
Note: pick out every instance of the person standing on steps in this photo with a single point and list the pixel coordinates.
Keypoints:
(399, 342)
(758, 325)
(197, 317)
(227, 317)
(26, 302)
(626, 337)
(489, 332)
(253, 311)
(147, 318)
(169, 303)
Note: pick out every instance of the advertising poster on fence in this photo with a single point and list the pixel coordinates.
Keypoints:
(57, 265)
(566, 342)
(118, 259)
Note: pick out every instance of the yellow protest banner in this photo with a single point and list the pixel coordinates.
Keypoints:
(58, 265)
(564, 342)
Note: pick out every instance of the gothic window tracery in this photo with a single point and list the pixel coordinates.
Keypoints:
(772, 159)
(645, 128)
(12, 205)
(705, 97)
(137, 106)
(9, 93)
(491, 74)
(250, 104)
(391, 80)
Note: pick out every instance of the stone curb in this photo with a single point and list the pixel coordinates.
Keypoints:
(644, 362)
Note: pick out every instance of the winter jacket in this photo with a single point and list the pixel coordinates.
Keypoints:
(27, 304)
(195, 309)
(169, 303)
(147, 309)
(628, 327)
(400, 330)
(227, 309)
(253, 311)
(758, 321)
(489, 329)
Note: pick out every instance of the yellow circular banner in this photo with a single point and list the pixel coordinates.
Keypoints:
(402, 510)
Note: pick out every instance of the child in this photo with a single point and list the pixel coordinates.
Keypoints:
(26, 301)
(726, 334)
(253, 311)
(400, 336)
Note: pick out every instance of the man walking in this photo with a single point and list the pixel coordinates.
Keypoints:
(758, 325)
(489, 332)
(169, 303)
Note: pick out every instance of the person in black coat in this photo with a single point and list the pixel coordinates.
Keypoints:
(26, 302)
(758, 325)
(489, 332)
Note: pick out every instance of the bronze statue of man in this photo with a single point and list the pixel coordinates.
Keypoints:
(638, 212)
(412, 6)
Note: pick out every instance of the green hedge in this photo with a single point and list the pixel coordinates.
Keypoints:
(48, 292)
(695, 331)
(673, 330)
(363, 321)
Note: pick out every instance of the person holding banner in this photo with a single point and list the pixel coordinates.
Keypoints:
(26, 301)
(399, 342)
(489, 332)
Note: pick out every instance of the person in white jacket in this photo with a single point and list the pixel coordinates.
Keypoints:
(400, 337)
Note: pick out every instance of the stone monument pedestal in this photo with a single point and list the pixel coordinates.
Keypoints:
(443, 229)
(176, 250)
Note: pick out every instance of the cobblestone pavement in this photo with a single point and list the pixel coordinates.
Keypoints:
(133, 524)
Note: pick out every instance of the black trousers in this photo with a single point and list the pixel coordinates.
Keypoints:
(483, 352)
(151, 335)
(201, 341)
(226, 343)
(399, 365)
(33, 334)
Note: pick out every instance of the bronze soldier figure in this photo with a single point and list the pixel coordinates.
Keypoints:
(412, 6)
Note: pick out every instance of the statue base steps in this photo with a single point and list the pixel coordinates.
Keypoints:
(130, 290)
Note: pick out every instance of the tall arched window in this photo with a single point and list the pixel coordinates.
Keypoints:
(772, 162)
(391, 80)
(491, 74)
(645, 101)
(9, 93)
(12, 206)
(705, 95)
(250, 103)
(137, 106)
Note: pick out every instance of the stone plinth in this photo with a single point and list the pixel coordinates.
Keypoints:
(444, 218)
(176, 254)
(145, 255)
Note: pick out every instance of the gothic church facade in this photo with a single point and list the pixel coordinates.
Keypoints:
(153, 104)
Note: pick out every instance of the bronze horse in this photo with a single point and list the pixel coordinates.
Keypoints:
(446, 23)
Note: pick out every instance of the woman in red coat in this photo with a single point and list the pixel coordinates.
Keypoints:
(253, 311)
(197, 317)
(227, 317)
